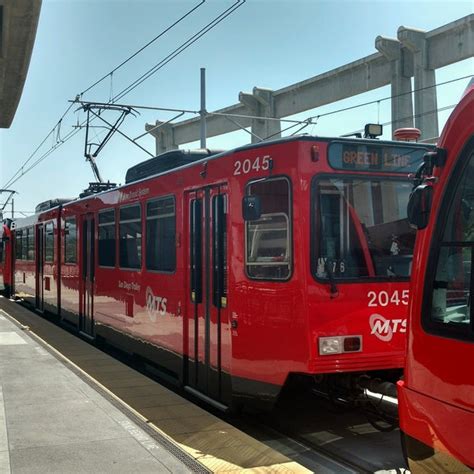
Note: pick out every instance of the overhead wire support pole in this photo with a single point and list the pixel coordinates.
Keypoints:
(202, 112)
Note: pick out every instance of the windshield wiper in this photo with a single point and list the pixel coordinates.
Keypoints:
(332, 284)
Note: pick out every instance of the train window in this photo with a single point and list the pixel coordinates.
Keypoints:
(161, 235)
(107, 238)
(31, 243)
(24, 245)
(360, 228)
(70, 240)
(219, 251)
(451, 308)
(130, 230)
(268, 240)
(18, 244)
(49, 242)
(196, 250)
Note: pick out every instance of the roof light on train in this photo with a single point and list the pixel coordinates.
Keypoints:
(373, 130)
(407, 134)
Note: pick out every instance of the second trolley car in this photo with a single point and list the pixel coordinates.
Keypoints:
(436, 397)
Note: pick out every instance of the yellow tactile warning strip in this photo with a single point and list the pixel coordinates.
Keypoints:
(212, 442)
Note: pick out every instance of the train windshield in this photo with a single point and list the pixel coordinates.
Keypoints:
(361, 228)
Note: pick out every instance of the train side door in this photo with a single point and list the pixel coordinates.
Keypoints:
(86, 324)
(206, 344)
(40, 229)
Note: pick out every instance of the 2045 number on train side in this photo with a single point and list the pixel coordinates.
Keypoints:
(384, 298)
(248, 165)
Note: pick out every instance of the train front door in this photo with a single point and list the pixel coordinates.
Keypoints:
(88, 275)
(40, 229)
(206, 332)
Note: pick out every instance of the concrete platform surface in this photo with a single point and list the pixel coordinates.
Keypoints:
(52, 421)
(209, 442)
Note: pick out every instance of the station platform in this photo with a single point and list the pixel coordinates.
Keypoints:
(66, 406)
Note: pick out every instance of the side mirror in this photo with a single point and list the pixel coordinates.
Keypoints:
(419, 206)
(251, 208)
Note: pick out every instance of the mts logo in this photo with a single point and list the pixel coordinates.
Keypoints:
(155, 304)
(384, 328)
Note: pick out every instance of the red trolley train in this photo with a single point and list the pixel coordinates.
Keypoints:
(232, 272)
(436, 397)
(6, 258)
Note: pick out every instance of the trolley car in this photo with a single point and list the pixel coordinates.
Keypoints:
(436, 397)
(6, 257)
(236, 272)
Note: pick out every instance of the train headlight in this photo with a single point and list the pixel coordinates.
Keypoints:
(339, 344)
(330, 345)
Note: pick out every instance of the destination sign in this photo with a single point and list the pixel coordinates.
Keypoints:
(377, 157)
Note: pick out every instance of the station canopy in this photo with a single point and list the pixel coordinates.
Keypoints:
(18, 22)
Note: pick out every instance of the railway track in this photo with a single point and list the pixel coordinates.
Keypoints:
(341, 441)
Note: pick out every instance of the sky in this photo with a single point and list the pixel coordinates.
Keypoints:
(264, 43)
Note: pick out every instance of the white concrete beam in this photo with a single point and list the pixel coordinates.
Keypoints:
(446, 45)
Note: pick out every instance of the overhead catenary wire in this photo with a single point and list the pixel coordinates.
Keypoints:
(309, 121)
(236, 5)
(31, 156)
(153, 40)
(72, 133)
(22, 171)
(180, 49)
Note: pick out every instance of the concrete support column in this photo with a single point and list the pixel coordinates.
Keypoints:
(261, 104)
(426, 117)
(164, 136)
(402, 105)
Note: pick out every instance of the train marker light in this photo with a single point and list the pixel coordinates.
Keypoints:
(339, 344)
(373, 130)
(315, 153)
(352, 344)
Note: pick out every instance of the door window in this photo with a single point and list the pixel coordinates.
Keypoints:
(49, 242)
(18, 244)
(31, 243)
